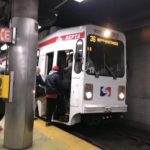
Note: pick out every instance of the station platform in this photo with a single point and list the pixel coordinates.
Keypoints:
(52, 138)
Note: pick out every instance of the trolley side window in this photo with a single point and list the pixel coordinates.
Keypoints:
(49, 62)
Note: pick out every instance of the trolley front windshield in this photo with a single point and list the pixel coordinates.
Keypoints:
(105, 57)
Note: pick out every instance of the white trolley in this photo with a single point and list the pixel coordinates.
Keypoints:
(98, 78)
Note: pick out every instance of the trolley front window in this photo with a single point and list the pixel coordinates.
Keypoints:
(105, 57)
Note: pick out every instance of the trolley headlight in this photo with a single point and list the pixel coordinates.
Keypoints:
(121, 92)
(121, 95)
(88, 92)
(88, 95)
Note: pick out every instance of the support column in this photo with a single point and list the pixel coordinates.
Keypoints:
(18, 132)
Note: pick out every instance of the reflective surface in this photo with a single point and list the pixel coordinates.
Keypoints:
(22, 60)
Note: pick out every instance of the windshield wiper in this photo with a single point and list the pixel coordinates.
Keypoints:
(112, 73)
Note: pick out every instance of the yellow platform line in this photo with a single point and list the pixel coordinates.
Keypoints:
(69, 141)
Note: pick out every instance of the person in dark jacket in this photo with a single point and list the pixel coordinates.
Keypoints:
(53, 88)
(2, 103)
(39, 83)
(40, 91)
(67, 74)
(2, 111)
(66, 83)
(2, 108)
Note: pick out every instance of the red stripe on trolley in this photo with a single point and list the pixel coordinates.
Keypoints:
(63, 38)
(50, 41)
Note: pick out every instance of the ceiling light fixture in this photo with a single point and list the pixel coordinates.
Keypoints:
(56, 14)
(79, 1)
(39, 27)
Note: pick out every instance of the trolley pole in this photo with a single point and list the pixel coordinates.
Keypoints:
(18, 133)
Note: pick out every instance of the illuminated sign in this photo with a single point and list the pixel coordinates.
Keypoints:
(5, 35)
(89, 49)
(95, 39)
(4, 86)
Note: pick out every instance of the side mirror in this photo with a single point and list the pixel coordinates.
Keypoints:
(77, 56)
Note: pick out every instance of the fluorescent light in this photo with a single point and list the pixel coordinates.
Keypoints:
(79, 1)
(4, 47)
(39, 27)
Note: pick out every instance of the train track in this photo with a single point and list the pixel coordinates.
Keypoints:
(112, 136)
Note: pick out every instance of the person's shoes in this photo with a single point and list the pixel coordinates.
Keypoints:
(48, 124)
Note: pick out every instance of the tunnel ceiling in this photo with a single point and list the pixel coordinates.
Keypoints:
(119, 14)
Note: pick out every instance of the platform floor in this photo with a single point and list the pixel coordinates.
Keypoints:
(53, 138)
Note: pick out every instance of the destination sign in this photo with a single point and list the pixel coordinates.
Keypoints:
(95, 39)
